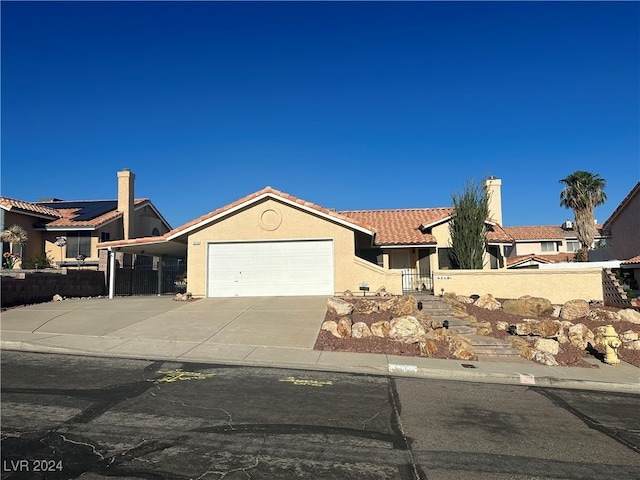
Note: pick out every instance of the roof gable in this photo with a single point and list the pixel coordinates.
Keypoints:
(257, 197)
(623, 204)
(28, 208)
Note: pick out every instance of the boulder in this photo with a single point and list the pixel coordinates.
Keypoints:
(381, 292)
(602, 315)
(405, 305)
(464, 299)
(367, 306)
(482, 328)
(546, 345)
(344, 327)
(635, 345)
(347, 293)
(57, 298)
(331, 326)
(339, 307)
(629, 315)
(629, 336)
(502, 326)
(183, 297)
(381, 329)
(538, 328)
(528, 306)
(545, 358)
(428, 348)
(525, 349)
(437, 334)
(360, 330)
(574, 309)
(461, 348)
(488, 301)
(580, 336)
(405, 326)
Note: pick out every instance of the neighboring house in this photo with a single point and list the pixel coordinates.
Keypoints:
(271, 243)
(536, 244)
(624, 228)
(82, 224)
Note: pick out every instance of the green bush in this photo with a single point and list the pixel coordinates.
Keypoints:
(40, 261)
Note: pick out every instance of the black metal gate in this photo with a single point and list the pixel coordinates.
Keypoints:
(413, 281)
(149, 278)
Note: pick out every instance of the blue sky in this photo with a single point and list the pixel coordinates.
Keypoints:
(350, 105)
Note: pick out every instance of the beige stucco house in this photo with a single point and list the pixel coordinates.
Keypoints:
(64, 230)
(270, 243)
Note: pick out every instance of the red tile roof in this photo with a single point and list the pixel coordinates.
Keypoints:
(265, 191)
(68, 217)
(632, 260)
(536, 232)
(553, 258)
(401, 227)
(10, 204)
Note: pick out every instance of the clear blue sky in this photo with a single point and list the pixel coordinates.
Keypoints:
(361, 105)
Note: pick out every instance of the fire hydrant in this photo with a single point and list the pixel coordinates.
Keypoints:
(611, 344)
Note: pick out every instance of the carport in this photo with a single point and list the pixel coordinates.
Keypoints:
(158, 263)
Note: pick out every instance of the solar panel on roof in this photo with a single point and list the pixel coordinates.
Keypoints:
(86, 210)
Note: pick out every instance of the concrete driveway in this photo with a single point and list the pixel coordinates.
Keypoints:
(292, 322)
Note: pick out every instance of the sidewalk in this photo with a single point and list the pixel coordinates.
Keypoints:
(267, 332)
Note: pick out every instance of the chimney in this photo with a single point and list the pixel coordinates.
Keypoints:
(493, 186)
(125, 201)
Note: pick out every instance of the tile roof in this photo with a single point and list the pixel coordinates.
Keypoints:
(265, 191)
(85, 214)
(536, 232)
(401, 227)
(10, 203)
(552, 258)
(632, 260)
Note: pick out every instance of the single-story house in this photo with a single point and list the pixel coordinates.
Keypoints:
(624, 226)
(271, 243)
(68, 230)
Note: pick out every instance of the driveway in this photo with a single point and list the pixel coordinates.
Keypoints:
(292, 322)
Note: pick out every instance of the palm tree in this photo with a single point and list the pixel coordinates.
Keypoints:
(15, 234)
(583, 191)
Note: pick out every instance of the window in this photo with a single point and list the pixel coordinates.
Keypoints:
(548, 246)
(104, 236)
(445, 259)
(78, 243)
(573, 246)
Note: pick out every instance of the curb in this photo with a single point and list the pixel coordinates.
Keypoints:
(390, 369)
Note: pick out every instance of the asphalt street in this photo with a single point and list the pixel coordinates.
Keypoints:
(67, 417)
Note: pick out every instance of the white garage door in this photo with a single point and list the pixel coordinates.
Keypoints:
(263, 269)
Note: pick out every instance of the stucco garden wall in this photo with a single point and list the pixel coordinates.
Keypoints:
(558, 286)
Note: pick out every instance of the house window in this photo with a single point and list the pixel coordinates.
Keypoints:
(445, 259)
(78, 243)
(548, 246)
(573, 246)
(104, 236)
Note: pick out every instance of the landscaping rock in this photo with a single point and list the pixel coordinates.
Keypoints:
(381, 292)
(502, 326)
(488, 301)
(404, 305)
(528, 306)
(381, 329)
(461, 348)
(57, 298)
(339, 307)
(331, 326)
(546, 345)
(183, 297)
(629, 315)
(545, 358)
(525, 349)
(574, 309)
(437, 334)
(360, 330)
(629, 336)
(405, 326)
(580, 336)
(344, 327)
(539, 328)
(602, 315)
(367, 306)
(428, 348)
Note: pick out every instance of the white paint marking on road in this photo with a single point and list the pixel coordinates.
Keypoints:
(527, 378)
(394, 367)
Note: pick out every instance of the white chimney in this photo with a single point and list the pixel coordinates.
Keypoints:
(493, 186)
(125, 201)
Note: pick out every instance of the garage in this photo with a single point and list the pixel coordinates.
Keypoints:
(270, 268)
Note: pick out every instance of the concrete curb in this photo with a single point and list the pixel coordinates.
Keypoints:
(382, 368)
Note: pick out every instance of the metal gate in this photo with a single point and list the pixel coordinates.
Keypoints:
(413, 281)
(149, 278)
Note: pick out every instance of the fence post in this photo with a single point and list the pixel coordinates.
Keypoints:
(112, 272)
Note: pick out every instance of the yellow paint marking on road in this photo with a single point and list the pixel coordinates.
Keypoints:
(306, 382)
(179, 374)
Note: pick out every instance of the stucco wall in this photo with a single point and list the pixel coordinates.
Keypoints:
(33, 247)
(558, 286)
(625, 230)
(272, 220)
